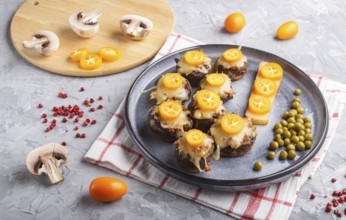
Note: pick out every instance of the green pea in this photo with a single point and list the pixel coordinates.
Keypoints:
(271, 155)
(283, 155)
(308, 125)
(297, 126)
(290, 125)
(298, 116)
(258, 166)
(306, 119)
(300, 120)
(291, 154)
(287, 141)
(279, 131)
(290, 114)
(290, 147)
(291, 120)
(287, 134)
(308, 136)
(274, 145)
(277, 126)
(295, 139)
(293, 132)
(300, 110)
(295, 105)
(308, 130)
(285, 129)
(301, 138)
(281, 142)
(285, 115)
(277, 137)
(300, 146)
(308, 144)
(294, 111)
(283, 123)
(297, 92)
(296, 99)
(301, 132)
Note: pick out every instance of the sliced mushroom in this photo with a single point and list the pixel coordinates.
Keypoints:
(135, 27)
(85, 24)
(45, 42)
(47, 159)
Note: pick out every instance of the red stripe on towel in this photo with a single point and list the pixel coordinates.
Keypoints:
(116, 134)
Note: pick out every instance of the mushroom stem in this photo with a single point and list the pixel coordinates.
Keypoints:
(52, 169)
(92, 17)
(36, 41)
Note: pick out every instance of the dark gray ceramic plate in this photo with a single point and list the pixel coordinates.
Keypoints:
(230, 174)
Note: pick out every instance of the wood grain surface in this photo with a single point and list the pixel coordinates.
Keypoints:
(52, 15)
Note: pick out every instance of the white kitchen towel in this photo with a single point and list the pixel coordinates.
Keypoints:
(113, 149)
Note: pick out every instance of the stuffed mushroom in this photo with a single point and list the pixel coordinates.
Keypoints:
(194, 65)
(171, 86)
(233, 63)
(168, 119)
(206, 107)
(219, 83)
(234, 135)
(195, 150)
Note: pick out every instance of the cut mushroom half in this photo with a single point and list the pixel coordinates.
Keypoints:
(85, 24)
(135, 27)
(47, 159)
(44, 42)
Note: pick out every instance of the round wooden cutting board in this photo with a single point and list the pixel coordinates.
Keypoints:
(53, 15)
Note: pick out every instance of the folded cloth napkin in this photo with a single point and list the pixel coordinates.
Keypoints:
(113, 149)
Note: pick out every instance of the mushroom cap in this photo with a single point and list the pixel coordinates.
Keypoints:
(82, 29)
(75, 23)
(33, 161)
(145, 20)
(51, 46)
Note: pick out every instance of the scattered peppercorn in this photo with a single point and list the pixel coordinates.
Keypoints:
(62, 95)
(76, 120)
(76, 128)
(91, 100)
(100, 107)
(45, 120)
(333, 180)
(92, 109)
(100, 97)
(93, 122)
(312, 196)
(39, 105)
(44, 115)
(329, 207)
(78, 135)
(81, 89)
(63, 143)
(64, 120)
(86, 102)
(83, 135)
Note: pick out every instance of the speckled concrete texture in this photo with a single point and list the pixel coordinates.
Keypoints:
(319, 48)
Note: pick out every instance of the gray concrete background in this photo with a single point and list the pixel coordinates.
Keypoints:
(319, 48)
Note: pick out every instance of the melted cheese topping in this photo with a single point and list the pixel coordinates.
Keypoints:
(197, 153)
(161, 93)
(204, 114)
(178, 123)
(239, 63)
(184, 68)
(223, 91)
(224, 140)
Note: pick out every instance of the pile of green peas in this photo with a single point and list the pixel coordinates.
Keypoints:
(293, 132)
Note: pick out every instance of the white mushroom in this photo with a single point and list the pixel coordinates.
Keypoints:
(85, 24)
(45, 42)
(135, 27)
(47, 159)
